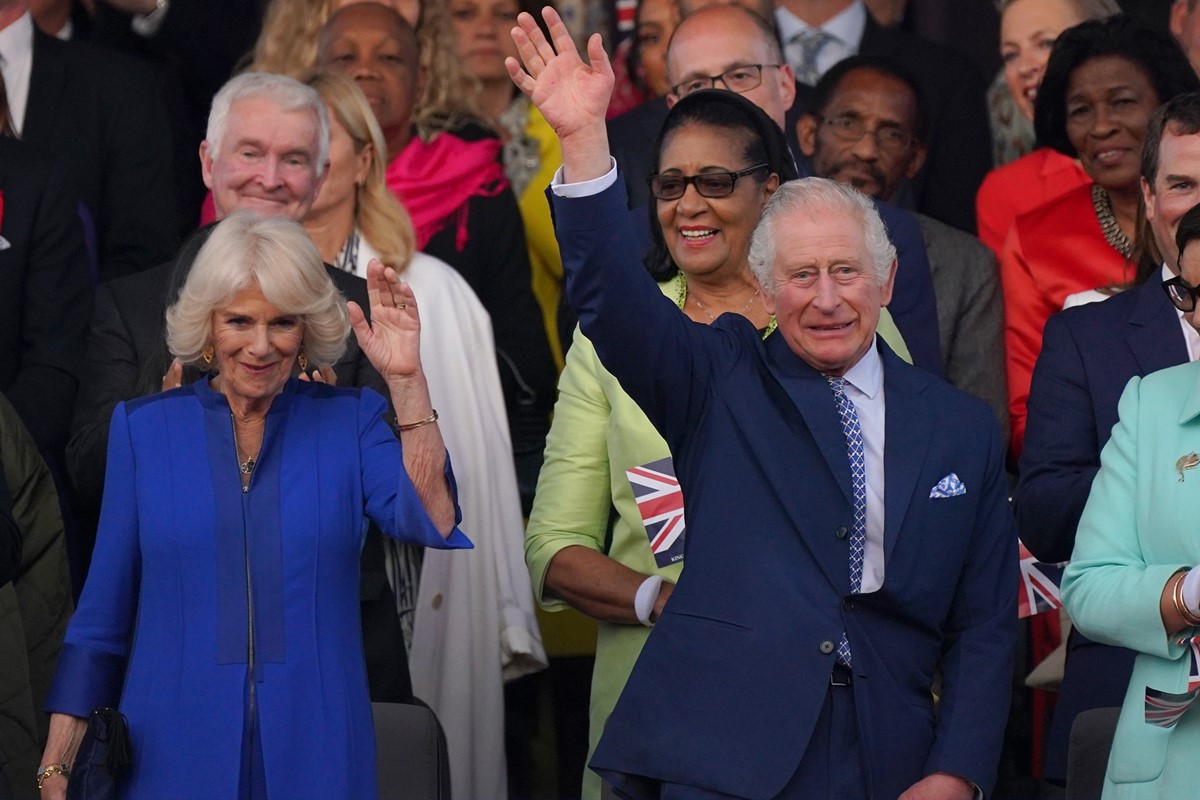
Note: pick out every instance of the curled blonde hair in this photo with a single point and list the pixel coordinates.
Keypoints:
(381, 219)
(275, 254)
(288, 46)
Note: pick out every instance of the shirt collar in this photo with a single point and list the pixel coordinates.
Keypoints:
(847, 27)
(867, 373)
(16, 41)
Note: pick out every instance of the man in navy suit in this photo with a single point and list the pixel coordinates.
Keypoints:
(1088, 355)
(796, 656)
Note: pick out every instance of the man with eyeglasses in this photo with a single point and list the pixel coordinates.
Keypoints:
(867, 127)
(730, 47)
(1088, 355)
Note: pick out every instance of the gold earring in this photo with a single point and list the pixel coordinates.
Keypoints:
(207, 355)
(302, 360)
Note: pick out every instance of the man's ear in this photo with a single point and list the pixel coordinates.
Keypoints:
(920, 152)
(885, 291)
(1177, 18)
(672, 99)
(206, 164)
(1147, 198)
(787, 86)
(806, 134)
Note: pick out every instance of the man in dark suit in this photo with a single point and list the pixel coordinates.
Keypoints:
(867, 128)
(795, 657)
(102, 114)
(819, 33)
(714, 40)
(45, 300)
(1088, 355)
(266, 152)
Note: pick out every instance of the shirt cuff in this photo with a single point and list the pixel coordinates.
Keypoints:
(584, 188)
(149, 24)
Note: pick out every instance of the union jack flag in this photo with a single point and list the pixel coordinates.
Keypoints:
(1164, 709)
(1039, 590)
(1194, 669)
(660, 501)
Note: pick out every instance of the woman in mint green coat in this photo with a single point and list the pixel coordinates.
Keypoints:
(1131, 580)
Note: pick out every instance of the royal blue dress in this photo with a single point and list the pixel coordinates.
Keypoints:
(223, 621)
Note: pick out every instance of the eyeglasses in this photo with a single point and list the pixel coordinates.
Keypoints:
(708, 184)
(1180, 294)
(851, 129)
(738, 79)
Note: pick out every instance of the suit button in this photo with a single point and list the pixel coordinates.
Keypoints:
(826, 647)
(847, 605)
(841, 532)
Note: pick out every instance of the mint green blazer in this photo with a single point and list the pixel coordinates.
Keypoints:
(1141, 525)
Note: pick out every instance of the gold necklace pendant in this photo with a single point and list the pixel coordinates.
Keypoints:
(247, 466)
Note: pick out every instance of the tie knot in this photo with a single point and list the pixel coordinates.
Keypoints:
(811, 41)
(837, 384)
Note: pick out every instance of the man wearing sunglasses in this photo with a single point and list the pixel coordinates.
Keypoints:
(730, 47)
(1088, 355)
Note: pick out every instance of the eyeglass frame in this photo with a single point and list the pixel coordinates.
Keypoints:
(712, 80)
(1192, 293)
(838, 132)
(691, 180)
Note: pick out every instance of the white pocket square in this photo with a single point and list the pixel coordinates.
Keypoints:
(949, 486)
(4, 243)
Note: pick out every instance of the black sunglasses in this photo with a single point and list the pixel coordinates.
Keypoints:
(1180, 294)
(708, 184)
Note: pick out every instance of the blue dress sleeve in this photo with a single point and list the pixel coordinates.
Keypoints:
(91, 665)
(391, 499)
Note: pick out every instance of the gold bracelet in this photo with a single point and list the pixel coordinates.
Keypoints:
(52, 769)
(1181, 608)
(421, 423)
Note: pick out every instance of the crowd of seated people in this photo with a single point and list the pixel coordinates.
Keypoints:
(1040, 229)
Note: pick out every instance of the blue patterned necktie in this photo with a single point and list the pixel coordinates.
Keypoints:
(807, 45)
(858, 480)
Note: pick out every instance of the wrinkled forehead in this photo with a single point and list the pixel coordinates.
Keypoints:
(267, 124)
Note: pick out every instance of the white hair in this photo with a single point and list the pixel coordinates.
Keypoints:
(286, 93)
(275, 254)
(810, 196)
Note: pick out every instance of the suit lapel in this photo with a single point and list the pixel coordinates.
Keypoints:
(810, 393)
(1155, 336)
(47, 81)
(908, 430)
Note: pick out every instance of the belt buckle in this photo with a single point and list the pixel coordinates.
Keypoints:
(840, 675)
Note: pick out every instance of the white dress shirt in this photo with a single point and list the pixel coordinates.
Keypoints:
(846, 29)
(864, 388)
(16, 64)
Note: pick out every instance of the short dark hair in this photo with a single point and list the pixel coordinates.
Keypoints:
(1189, 228)
(828, 85)
(1181, 116)
(718, 108)
(1154, 51)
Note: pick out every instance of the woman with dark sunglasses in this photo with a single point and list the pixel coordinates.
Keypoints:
(718, 159)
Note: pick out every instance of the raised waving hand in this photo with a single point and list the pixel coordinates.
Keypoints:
(571, 94)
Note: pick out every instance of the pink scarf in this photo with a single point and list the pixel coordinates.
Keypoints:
(434, 180)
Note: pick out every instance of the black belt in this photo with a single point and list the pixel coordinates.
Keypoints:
(841, 676)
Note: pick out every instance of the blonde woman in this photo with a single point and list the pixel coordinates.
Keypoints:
(483, 622)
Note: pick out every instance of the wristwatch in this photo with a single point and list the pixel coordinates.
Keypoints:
(46, 770)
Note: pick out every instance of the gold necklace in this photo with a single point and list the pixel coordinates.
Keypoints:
(679, 289)
(1113, 234)
(701, 306)
(245, 467)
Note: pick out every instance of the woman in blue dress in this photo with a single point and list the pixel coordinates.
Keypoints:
(221, 611)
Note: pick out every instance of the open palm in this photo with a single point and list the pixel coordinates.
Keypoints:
(572, 95)
(392, 339)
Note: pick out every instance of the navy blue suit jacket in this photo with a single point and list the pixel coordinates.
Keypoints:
(1088, 355)
(726, 693)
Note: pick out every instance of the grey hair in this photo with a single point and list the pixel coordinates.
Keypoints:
(287, 93)
(1090, 9)
(275, 254)
(809, 196)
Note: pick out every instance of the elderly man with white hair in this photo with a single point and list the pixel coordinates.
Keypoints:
(795, 658)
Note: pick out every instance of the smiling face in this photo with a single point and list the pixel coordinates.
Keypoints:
(254, 348)
(875, 164)
(1109, 103)
(826, 296)
(1176, 189)
(1028, 30)
(656, 22)
(481, 30)
(373, 46)
(267, 162)
(348, 168)
(710, 235)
